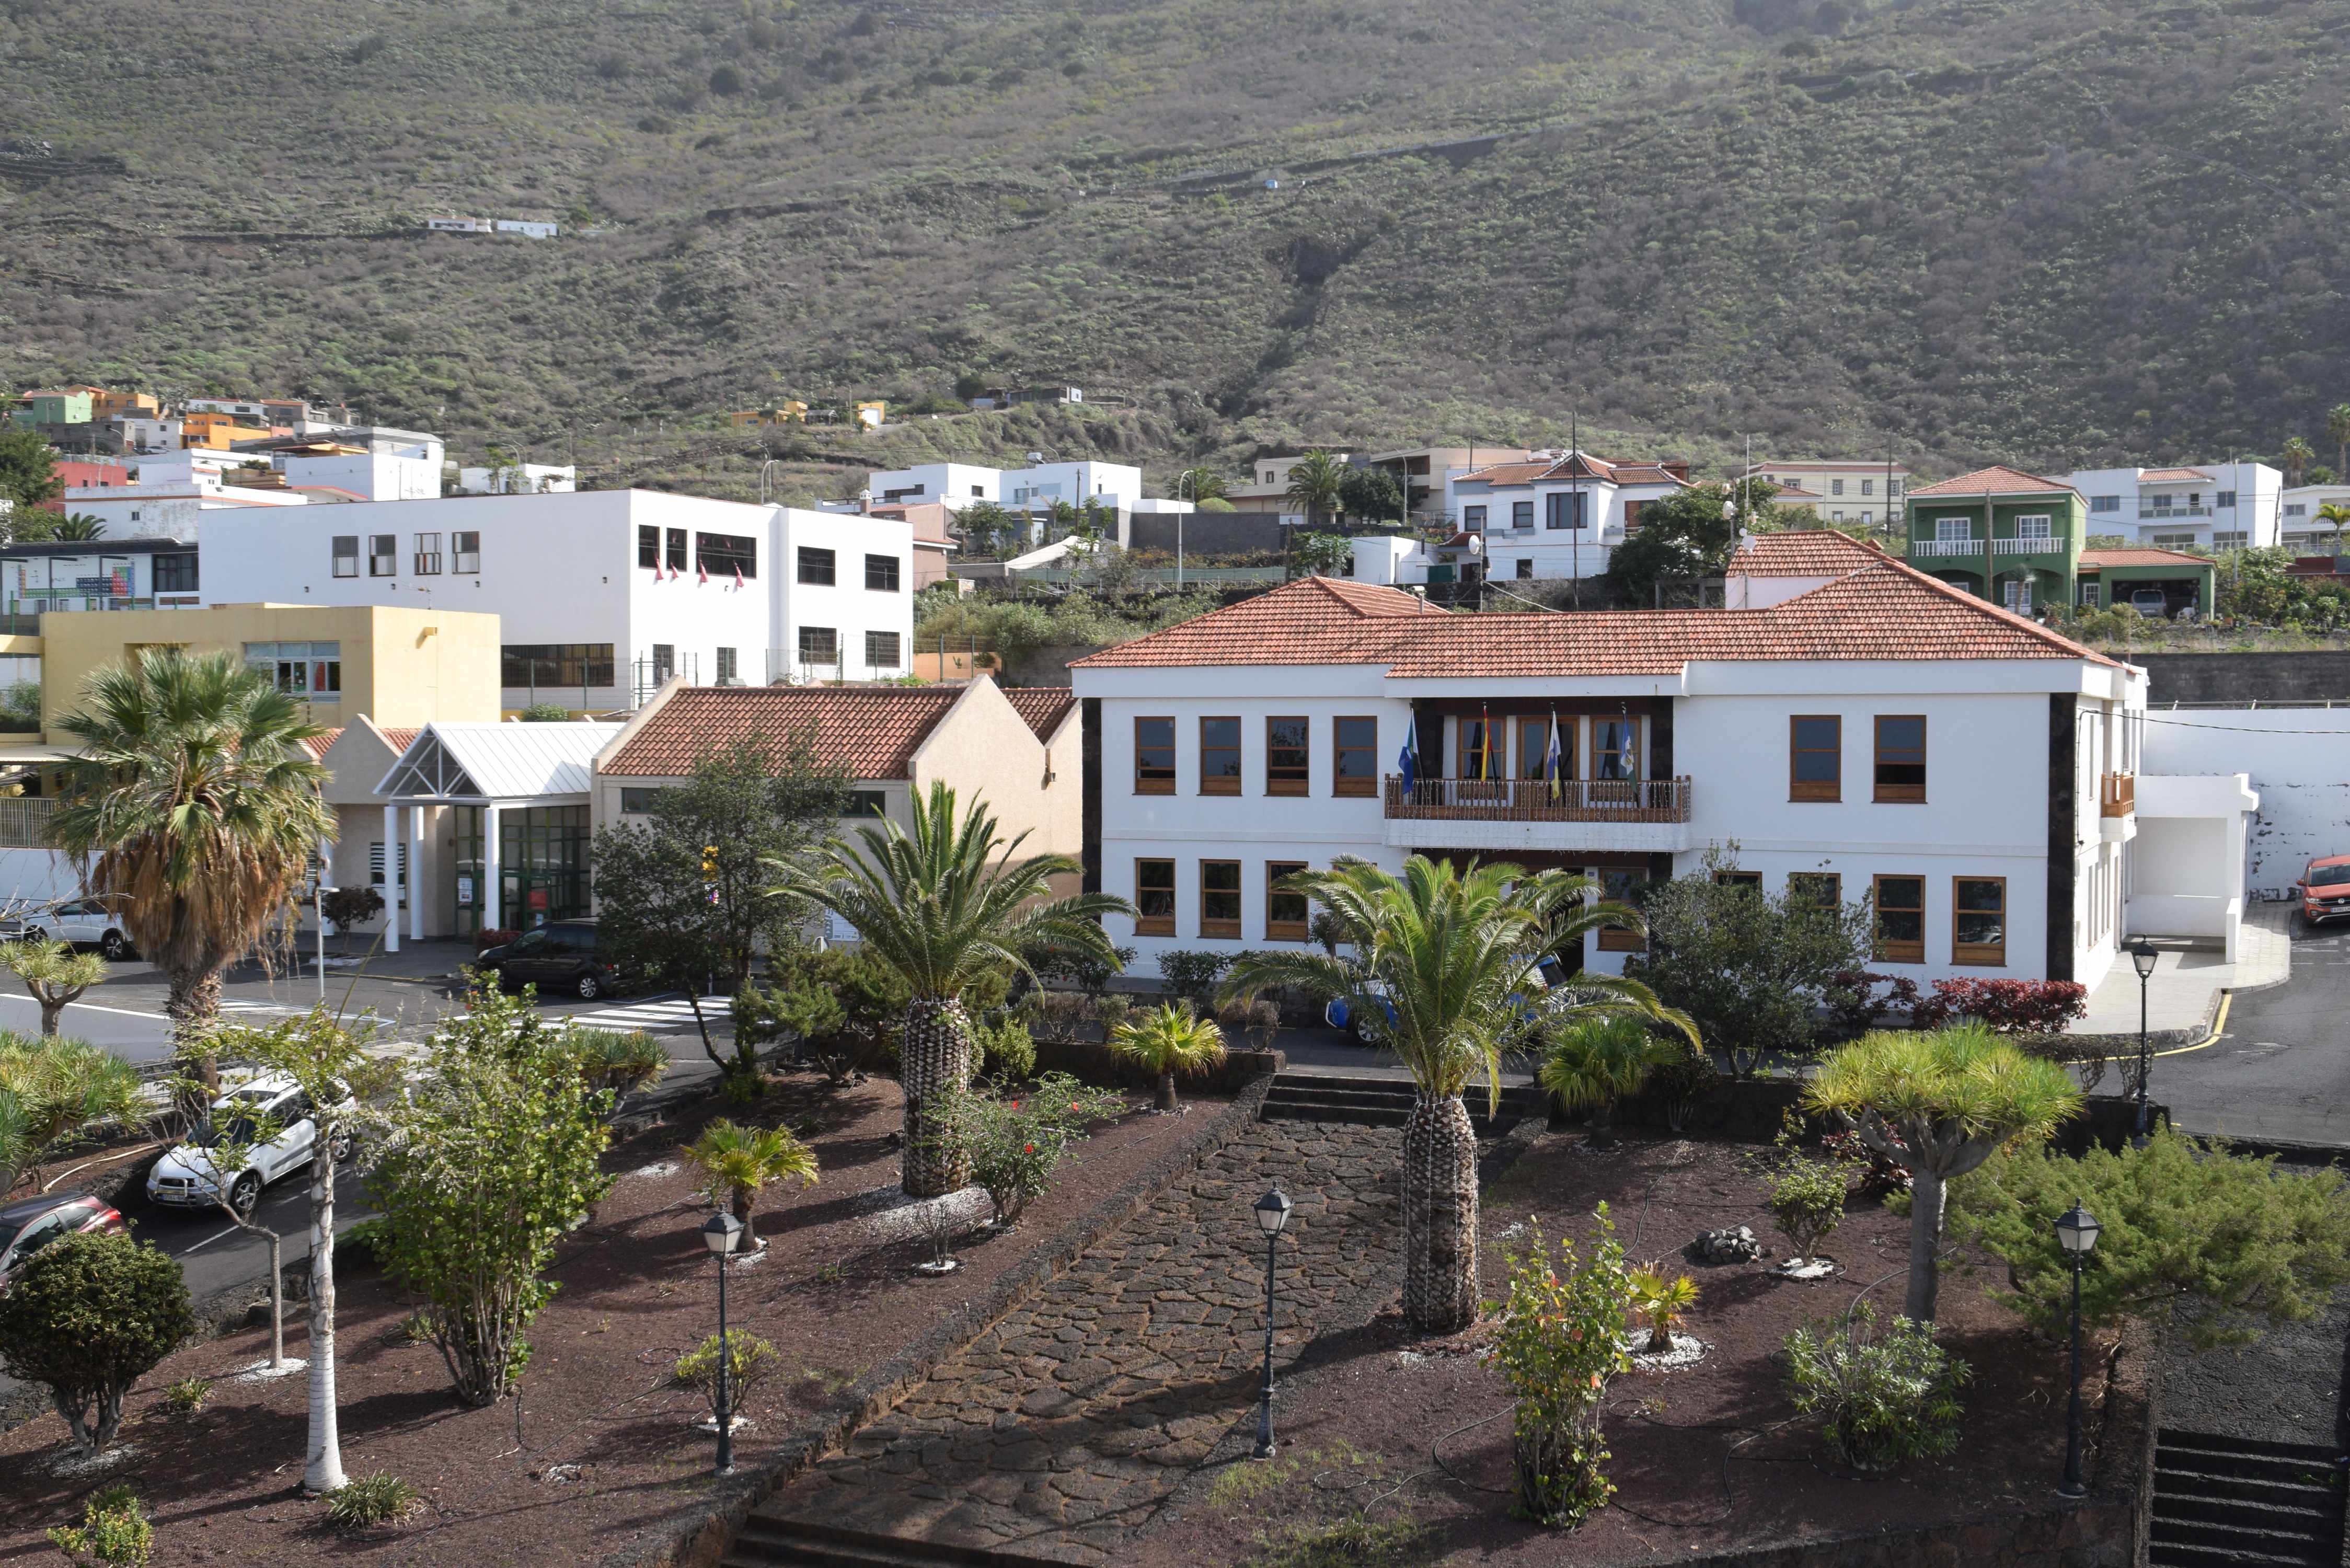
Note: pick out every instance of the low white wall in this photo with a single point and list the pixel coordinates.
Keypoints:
(2299, 762)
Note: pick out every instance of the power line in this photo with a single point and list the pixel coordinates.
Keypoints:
(2242, 729)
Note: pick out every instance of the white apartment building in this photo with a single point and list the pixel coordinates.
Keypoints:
(957, 485)
(1882, 734)
(519, 479)
(601, 594)
(170, 490)
(1834, 491)
(2206, 506)
(2299, 526)
(1554, 515)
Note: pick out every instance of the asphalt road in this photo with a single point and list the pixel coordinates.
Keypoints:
(2281, 1067)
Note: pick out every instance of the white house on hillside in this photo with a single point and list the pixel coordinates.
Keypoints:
(1554, 515)
(1882, 735)
(2205, 506)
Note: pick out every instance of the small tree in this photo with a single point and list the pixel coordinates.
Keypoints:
(349, 907)
(1888, 1396)
(490, 1158)
(2247, 1245)
(54, 973)
(1165, 1041)
(1325, 555)
(1939, 1105)
(1315, 484)
(740, 1161)
(1592, 1062)
(1560, 1338)
(1017, 1137)
(226, 1149)
(844, 1005)
(87, 1316)
(1806, 1198)
(52, 1091)
(1191, 973)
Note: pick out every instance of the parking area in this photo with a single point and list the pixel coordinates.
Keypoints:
(2279, 1069)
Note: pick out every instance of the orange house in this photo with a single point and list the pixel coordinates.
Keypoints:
(217, 431)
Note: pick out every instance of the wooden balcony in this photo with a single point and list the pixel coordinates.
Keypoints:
(2117, 794)
(1539, 800)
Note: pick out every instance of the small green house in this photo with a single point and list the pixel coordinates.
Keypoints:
(2008, 537)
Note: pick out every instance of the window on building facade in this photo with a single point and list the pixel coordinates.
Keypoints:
(637, 800)
(1953, 530)
(1474, 761)
(465, 551)
(867, 802)
(1535, 742)
(311, 670)
(816, 567)
(1154, 895)
(1978, 920)
(1154, 760)
(1728, 876)
(1567, 509)
(727, 665)
(1815, 760)
(1868, 487)
(1632, 516)
(881, 574)
(664, 661)
(648, 545)
(1900, 757)
(819, 644)
(383, 555)
(1354, 756)
(428, 554)
(1816, 890)
(1285, 911)
(1892, 488)
(2035, 527)
(375, 867)
(1837, 514)
(1220, 897)
(347, 554)
(1526, 570)
(2173, 540)
(2230, 539)
(527, 664)
(1616, 748)
(1219, 756)
(2296, 509)
(676, 553)
(1900, 918)
(1621, 885)
(2091, 596)
(177, 574)
(1836, 487)
(1522, 515)
(2105, 503)
(1472, 519)
(728, 554)
(2224, 499)
(1288, 763)
(2015, 593)
(881, 650)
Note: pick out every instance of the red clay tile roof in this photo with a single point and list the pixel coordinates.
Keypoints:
(319, 745)
(1043, 706)
(1885, 611)
(401, 738)
(2093, 559)
(1780, 489)
(2171, 475)
(1574, 465)
(1996, 480)
(1801, 553)
(873, 731)
(1854, 465)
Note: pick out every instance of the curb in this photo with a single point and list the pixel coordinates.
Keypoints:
(2114, 1046)
(699, 1535)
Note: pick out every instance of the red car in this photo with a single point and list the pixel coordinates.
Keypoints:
(2324, 889)
(32, 1223)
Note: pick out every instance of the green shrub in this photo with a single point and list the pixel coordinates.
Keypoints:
(545, 713)
(365, 1502)
(1007, 1053)
(188, 1395)
(88, 1317)
(1805, 1196)
(1191, 974)
(1884, 1397)
(1560, 1338)
(623, 1060)
(1015, 1137)
(113, 1533)
(749, 1362)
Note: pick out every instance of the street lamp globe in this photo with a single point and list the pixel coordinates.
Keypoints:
(1272, 1212)
(723, 1232)
(2076, 1231)
(2143, 954)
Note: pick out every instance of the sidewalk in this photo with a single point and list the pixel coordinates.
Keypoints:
(432, 959)
(2183, 994)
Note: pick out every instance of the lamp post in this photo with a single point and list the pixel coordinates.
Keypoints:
(2076, 1233)
(721, 1235)
(1272, 1212)
(2142, 956)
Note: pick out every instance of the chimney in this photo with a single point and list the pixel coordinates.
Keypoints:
(1677, 467)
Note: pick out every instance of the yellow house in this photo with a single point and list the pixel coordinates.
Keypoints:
(869, 416)
(216, 432)
(781, 414)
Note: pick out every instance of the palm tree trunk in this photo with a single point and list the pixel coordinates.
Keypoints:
(1167, 1091)
(1925, 1239)
(934, 1060)
(743, 1198)
(1439, 1216)
(193, 1006)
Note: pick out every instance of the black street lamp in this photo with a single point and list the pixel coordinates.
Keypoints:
(1272, 1212)
(2076, 1233)
(719, 1235)
(2143, 954)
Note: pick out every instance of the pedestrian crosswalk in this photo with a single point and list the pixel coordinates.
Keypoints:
(675, 1013)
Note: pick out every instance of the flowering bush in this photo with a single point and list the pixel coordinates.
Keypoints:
(2003, 1006)
(1561, 1338)
(1015, 1136)
(1888, 1396)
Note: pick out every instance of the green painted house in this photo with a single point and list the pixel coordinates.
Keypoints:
(69, 406)
(2016, 538)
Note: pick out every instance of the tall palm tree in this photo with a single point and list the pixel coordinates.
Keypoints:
(2336, 516)
(2296, 456)
(193, 810)
(1314, 482)
(1450, 951)
(942, 905)
(1167, 1041)
(1201, 482)
(739, 1160)
(2338, 430)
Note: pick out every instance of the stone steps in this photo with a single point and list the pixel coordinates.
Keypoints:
(769, 1539)
(1386, 1102)
(2242, 1502)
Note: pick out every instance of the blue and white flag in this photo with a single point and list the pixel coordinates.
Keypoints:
(1407, 760)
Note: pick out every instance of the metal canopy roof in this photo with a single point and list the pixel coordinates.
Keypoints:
(477, 764)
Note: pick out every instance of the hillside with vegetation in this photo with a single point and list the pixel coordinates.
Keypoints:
(2056, 231)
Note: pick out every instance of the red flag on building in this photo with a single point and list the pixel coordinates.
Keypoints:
(701, 574)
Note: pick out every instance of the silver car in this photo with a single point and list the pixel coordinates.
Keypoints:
(83, 922)
(186, 1175)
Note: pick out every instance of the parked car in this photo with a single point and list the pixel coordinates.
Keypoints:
(560, 958)
(84, 922)
(2152, 603)
(28, 1226)
(186, 1175)
(2324, 890)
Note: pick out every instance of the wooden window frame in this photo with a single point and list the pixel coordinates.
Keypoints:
(1731, 876)
(1613, 938)
(1803, 789)
(1143, 785)
(1214, 785)
(1835, 879)
(1368, 786)
(1155, 925)
(1880, 950)
(1228, 930)
(1639, 761)
(1278, 930)
(1462, 749)
(1886, 794)
(1978, 955)
(1289, 786)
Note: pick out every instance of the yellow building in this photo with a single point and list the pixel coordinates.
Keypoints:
(869, 416)
(217, 432)
(791, 413)
(125, 406)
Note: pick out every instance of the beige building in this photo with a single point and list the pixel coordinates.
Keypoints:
(1018, 748)
(1863, 492)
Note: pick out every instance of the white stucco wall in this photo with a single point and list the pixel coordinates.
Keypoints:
(2298, 762)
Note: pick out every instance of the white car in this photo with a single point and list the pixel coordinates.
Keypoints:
(84, 922)
(187, 1178)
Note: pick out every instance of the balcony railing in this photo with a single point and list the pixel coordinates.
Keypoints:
(2117, 794)
(2027, 546)
(1539, 800)
(1945, 547)
(25, 821)
(2154, 513)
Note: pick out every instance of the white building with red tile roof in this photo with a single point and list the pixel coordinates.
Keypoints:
(2200, 506)
(1966, 768)
(1555, 514)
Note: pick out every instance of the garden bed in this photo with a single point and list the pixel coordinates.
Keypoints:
(599, 1450)
(1404, 1446)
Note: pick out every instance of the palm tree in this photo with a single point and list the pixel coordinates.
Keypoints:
(1939, 1104)
(79, 527)
(944, 905)
(54, 973)
(1199, 483)
(2338, 430)
(739, 1160)
(1449, 951)
(2334, 515)
(195, 811)
(50, 1091)
(1595, 1062)
(1315, 482)
(1168, 1040)
(2296, 455)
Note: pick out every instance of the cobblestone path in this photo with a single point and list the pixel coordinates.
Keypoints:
(1063, 1425)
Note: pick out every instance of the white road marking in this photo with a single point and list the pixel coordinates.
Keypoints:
(232, 1230)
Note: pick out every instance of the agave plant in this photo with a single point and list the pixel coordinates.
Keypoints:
(622, 1061)
(740, 1161)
